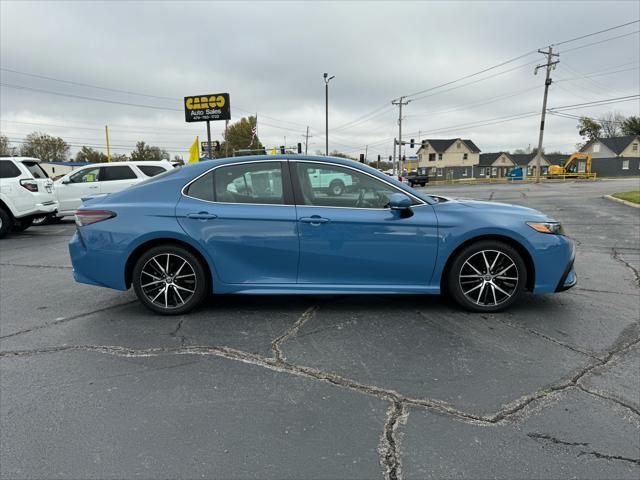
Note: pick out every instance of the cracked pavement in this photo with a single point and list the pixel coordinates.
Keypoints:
(92, 385)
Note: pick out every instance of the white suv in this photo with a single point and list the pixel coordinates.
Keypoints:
(99, 179)
(26, 192)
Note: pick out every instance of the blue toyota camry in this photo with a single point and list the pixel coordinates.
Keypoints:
(311, 225)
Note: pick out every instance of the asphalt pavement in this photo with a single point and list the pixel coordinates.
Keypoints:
(94, 386)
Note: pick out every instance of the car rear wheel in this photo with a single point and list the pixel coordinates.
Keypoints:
(5, 222)
(336, 188)
(487, 276)
(170, 280)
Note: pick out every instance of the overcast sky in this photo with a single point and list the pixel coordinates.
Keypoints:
(270, 57)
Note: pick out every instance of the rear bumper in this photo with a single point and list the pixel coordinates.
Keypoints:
(50, 206)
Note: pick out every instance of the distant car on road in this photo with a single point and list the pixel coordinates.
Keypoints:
(189, 232)
(416, 178)
(26, 192)
(100, 179)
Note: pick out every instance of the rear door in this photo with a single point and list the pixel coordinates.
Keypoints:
(115, 178)
(243, 215)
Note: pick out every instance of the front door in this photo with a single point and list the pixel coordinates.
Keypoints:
(353, 238)
(83, 183)
(243, 216)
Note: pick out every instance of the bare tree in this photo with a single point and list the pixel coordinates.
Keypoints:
(45, 147)
(612, 125)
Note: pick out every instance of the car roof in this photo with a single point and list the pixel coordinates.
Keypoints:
(22, 159)
(165, 163)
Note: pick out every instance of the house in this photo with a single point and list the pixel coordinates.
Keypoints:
(627, 146)
(615, 157)
(450, 158)
(495, 165)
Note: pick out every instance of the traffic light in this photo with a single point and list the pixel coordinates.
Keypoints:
(423, 143)
(362, 158)
(378, 157)
(412, 143)
(216, 146)
(389, 157)
(404, 158)
(282, 149)
(299, 148)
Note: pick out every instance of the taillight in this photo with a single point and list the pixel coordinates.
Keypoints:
(30, 185)
(87, 217)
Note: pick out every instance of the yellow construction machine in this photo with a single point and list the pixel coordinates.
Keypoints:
(571, 169)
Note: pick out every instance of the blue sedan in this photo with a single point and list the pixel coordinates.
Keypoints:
(311, 225)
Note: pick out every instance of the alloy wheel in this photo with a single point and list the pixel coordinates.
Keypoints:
(168, 280)
(489, 278)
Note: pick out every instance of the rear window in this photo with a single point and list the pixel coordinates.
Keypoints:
(35, 169)
(8, 169)
(151, 170)
(121, 172)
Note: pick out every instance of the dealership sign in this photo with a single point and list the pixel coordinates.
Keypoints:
(200, 108)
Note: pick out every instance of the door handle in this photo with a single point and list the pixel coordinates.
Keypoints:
(314, 220)
(202, 216)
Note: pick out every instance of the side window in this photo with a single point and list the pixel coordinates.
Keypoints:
(35, 169)
(85, 175)
(151, 170)
(119, 172)
(334, 186)
(8, 169)
(258, 182)
(202, 188)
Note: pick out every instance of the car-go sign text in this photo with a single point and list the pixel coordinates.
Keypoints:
(200, 108)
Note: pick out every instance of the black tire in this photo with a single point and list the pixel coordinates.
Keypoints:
(6, 222)
(146, 270)
(336, 188)
(22, 224)
(468, 274)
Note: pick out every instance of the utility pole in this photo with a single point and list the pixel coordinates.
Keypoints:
(366, 151)
(327, 79)
(106, 133)
(550, 65)
(306, 140)
(400, 102)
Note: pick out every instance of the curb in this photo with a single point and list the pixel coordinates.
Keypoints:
(619, 200)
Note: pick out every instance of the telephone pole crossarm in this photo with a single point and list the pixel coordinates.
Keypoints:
(400, 102)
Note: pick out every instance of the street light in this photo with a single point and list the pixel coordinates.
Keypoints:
(326, 108)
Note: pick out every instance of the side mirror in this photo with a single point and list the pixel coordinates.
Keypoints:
(66, 181)
(398, 201)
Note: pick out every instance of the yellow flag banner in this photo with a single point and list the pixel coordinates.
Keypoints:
(194, 152)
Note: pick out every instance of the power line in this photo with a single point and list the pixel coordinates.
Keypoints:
(594, 33)
(599, 42)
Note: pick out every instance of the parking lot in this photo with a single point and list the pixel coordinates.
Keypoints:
(93, 385)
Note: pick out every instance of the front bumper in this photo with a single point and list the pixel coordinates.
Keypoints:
(569, 277)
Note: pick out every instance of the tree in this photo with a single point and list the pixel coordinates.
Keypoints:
(631, 126)
(338, 154)
(589, 129)
(119, 157)
(149, 152)
(612, 125)
(45, 147)
(5, 150)
(88, 154)
(178, 159)
(239, 136)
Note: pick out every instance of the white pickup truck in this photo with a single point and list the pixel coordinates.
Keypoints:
(333, 182)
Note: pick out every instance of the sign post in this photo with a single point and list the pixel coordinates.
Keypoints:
(204, 108)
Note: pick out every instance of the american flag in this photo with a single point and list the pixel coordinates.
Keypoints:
(254, 132)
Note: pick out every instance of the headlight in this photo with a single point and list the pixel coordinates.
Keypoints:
(553, 228)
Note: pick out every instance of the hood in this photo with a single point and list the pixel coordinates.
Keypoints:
(504, 209)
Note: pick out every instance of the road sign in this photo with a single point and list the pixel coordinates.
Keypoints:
(200, 108)
(215, 146)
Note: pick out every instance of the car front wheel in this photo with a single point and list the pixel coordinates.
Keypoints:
(170, 280)
(487, 276)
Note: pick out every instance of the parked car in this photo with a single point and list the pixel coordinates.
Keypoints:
(333, 182)
(417, 178)
(25, 193)
(189, 232)
(100, 179)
